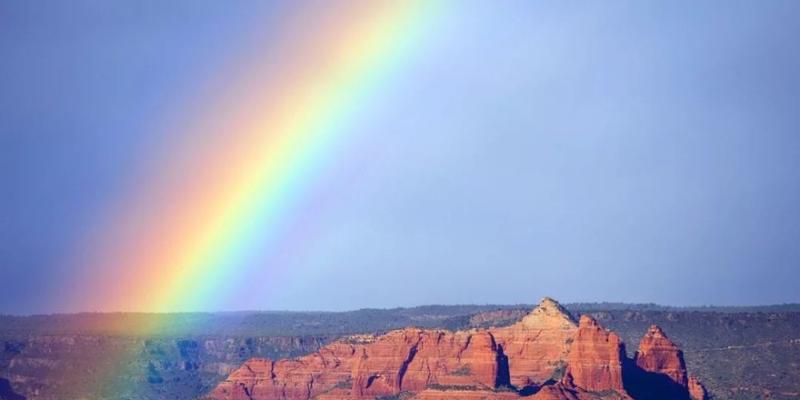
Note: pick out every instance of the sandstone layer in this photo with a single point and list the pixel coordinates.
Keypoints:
(538, 345)
(546, 355)
(595, 358)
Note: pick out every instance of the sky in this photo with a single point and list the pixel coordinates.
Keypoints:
(588, 151)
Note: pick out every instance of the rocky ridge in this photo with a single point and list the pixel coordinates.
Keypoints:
(546, 355)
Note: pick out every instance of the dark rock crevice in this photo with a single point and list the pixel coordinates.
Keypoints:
(503, 371)
(404, 366)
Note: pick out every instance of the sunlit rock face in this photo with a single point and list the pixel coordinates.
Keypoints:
(538, 345)
(658, 354)
(595, 359)
(546, 355)
(658, 370)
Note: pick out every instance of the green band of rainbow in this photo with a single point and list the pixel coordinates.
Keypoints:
(228, 181)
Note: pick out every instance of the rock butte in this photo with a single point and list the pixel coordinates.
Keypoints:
(545, 355)
(657, 353)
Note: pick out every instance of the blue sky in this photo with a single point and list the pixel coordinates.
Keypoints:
(589, 151)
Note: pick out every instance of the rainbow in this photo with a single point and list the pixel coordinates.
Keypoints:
(226, 184)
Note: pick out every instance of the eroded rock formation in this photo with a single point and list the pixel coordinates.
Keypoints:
(658, 354)
(546, 354)
(657, 370)
(538, 345)
(595, 358)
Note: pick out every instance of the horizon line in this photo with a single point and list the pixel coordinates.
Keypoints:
(664, 307)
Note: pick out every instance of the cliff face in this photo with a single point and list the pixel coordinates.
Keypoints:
(595, 360)
(538, 345)
(546, 354)
(407, 360)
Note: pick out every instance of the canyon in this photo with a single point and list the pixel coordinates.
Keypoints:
(546, 355)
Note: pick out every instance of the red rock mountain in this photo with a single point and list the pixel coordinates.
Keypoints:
(546, 355)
